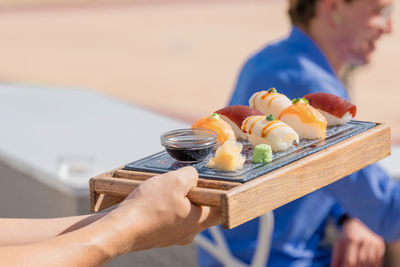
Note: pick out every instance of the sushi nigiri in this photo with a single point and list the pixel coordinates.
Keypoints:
(308, 122)
(269, 102)
(270, 131)
(337, 111)
(215, 123)
(235, 115)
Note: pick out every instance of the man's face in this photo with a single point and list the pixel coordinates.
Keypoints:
(362, 23)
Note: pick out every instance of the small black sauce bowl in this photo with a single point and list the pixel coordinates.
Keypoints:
(189, 145)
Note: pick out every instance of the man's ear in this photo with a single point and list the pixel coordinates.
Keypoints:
(331, 12)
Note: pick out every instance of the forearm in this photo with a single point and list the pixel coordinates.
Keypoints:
(92, 245)
(156, 214)
(15, 232)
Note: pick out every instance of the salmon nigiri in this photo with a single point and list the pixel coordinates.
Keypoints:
(270, 131)
(215, 123)
(269, 102)
(304, 119)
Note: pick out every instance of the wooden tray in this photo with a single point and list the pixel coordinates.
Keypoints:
(162, 162)
(241, 202)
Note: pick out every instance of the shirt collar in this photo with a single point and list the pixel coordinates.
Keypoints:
(305, 43)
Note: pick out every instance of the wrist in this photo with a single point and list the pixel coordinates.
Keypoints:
(119, 230)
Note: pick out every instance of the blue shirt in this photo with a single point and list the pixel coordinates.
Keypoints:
(296, 66)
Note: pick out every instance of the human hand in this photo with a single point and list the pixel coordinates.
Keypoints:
(358, 246)
(155, 214)
(159, 214)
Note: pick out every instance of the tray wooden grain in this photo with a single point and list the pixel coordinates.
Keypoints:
(241, 202)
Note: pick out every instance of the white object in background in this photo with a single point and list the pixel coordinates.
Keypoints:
(392, 163)
(75, 166)
(220, 249)
(40, 125)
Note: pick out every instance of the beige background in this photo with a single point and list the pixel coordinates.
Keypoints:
(24, 3)
(180, 58)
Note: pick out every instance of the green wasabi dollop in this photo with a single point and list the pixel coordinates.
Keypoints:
(262, 154)
(270, 117)
(297, 100)
(272, 90)
(215, 116)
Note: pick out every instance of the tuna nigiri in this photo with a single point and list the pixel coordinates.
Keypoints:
(270, 131)
(337, 111)
(235, 115)
(269, 102)
(304, 119)
(215, 123)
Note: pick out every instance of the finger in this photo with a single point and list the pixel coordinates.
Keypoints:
(379, 262)
(380, 255)
(209, 217)
(185, 179)
(350, 256)
(337, 255)
(372, 258)
(374, 253)
(376, 257)
(364, 257)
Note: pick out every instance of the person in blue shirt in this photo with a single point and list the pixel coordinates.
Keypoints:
(326, 36)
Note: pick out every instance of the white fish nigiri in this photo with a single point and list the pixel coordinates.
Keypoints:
(270, 131)
(269, 102)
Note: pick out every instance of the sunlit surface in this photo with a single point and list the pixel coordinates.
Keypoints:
(179, 57)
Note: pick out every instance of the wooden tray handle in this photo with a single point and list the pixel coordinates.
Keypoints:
(123, 187)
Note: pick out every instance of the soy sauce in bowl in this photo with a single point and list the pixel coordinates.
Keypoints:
(189, 145)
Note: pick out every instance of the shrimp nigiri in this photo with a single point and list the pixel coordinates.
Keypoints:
(304, 119)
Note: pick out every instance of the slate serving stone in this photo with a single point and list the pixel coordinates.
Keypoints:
(162, 162)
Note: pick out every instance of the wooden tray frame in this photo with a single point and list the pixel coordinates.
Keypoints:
(241, 202)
